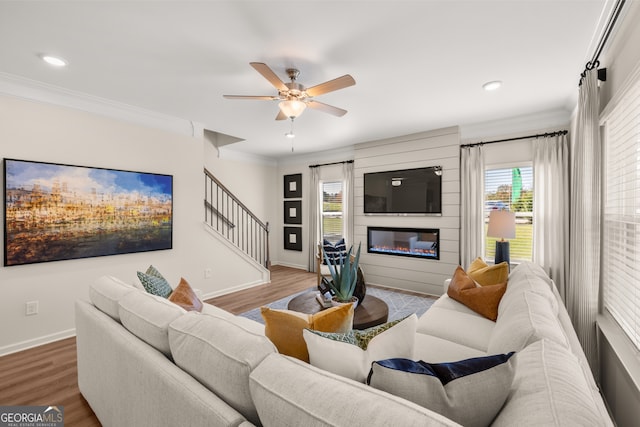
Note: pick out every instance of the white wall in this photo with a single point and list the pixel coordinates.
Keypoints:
(31, 130)
(435, 148)
(253, 181)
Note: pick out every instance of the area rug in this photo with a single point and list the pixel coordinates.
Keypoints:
(400, 304)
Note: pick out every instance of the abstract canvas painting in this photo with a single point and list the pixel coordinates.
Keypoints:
(59, 212)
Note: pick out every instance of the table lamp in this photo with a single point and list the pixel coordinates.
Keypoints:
(502, 224)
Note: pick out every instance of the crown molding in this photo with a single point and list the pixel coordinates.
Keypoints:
(33, 90)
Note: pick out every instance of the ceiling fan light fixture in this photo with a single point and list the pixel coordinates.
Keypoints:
(292, 108)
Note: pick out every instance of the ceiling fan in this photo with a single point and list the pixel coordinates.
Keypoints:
(294, 97)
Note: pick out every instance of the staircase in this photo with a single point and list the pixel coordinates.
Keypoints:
(233, 220)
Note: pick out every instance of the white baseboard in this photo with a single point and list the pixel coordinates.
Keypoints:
(286, 264)
(35, 342)
(226, 291)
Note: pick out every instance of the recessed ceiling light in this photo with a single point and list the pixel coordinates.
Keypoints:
(290, 135)
(54, 60)
(492, 85)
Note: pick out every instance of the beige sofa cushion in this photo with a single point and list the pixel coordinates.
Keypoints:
(288, 392)
(220, 355)
(437, 350)
(105, 293)
(549, 389)
(527, 319)
(462, 326)
(148, 317)
(529, 277)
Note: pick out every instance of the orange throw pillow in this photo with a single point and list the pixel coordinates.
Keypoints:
(185, 297)
(483, 300)
(486, 274)
(284, 327)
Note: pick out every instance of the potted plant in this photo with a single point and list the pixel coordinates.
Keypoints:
(344, 275)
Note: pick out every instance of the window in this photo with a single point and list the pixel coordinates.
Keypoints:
(511, 189)
(621, 214)
(331, 210)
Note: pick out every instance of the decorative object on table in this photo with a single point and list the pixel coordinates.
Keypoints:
(293, 211)
(344, 276)
(324, 299)
(57, 212)
(293, 238)
(502, 225)
(293, 186)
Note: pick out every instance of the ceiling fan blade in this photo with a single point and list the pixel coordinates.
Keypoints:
(265, 98)
(268, 74)
(331, 85)
(281, 116)
(339, 112)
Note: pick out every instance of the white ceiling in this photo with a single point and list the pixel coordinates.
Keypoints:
(418, 65)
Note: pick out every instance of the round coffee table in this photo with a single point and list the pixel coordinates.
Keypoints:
(372, 312)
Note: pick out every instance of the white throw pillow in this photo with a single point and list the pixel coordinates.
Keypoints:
(470, 392)
(350, 355)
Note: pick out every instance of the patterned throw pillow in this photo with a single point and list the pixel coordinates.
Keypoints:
(470, 392)
(350, 355)
(154, 282)
(336, 252)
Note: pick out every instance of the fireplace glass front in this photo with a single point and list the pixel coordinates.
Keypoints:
(411, 242)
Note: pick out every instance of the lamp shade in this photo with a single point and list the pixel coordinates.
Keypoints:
(292, 108)
(502, 224)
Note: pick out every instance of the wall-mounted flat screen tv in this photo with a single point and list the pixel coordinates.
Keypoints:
(408, 191)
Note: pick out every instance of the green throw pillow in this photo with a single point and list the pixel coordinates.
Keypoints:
(155, 283)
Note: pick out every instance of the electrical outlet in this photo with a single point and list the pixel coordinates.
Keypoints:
(207, 273)
(31, 308)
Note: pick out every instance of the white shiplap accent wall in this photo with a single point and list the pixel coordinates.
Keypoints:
(438, 147)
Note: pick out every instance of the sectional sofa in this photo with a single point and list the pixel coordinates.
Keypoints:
(143, 360)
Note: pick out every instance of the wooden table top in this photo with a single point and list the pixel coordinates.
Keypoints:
(372, 312)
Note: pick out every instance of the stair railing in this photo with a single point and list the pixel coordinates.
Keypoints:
(233, 220)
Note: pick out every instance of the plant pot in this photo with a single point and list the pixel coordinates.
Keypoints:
(353, 300)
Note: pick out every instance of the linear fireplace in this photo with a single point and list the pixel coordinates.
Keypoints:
(411, 242)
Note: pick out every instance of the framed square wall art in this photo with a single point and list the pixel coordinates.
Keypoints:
(293, 186)
(59, 212)
(293, 212)
(293, 238)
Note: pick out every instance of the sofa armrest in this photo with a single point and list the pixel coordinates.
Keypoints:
(446, 285)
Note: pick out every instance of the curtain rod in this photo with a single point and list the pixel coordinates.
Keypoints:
(540, 135)
(329, 164)
(594, 63)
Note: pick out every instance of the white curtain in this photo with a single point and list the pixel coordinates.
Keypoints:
(347, 202)
(471, 204)
(582, 290)
(314, 214)
(551, 208)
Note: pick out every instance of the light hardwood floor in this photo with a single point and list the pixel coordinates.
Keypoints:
(47, 375)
